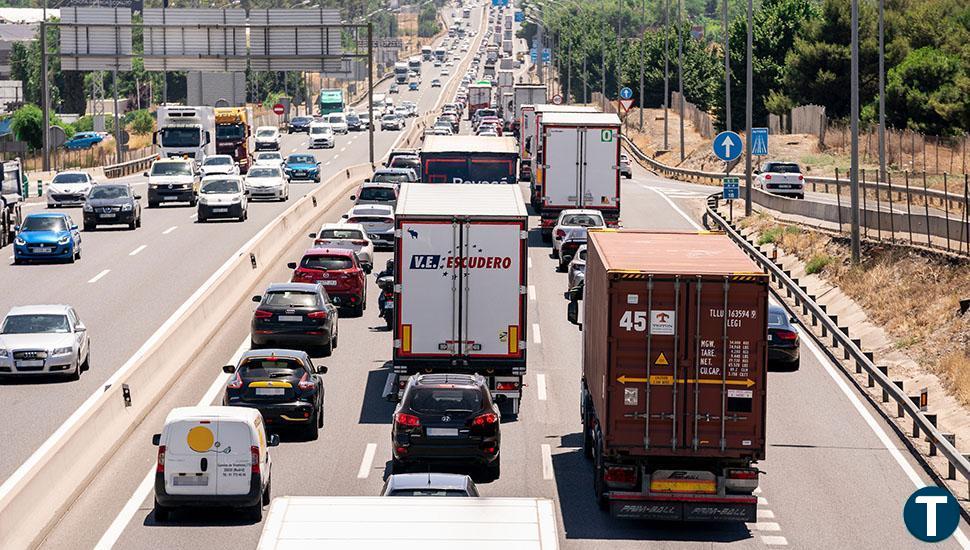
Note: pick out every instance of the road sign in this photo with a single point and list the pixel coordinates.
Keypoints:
(279, 109)
(532, 54)
(626, 93)
(546, 55)
(56, 136)
(727, 146)
(626, 103)
(519, 16)
(759, 142)
(731, 188)
(557, 99)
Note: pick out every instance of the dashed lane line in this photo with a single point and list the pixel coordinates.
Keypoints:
(536, 336)
(98, 277)
(532, 292)
(774, 540)
(547, 471)
(137, 250)
(170, 229)
(367, 461)
(541, 387)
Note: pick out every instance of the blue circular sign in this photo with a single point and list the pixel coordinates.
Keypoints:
(727, 146)
(931, 514)
(626, 93)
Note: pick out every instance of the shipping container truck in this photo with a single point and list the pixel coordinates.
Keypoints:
(410, 523)
(479, 97)
(233, 132)
(469, 159)
(185, 132)
(461, 277)
(673, 390)
(11, 199)
(330, 101)
(506, 79)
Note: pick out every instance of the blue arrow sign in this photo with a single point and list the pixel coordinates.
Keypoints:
(626, 93)
(546, 55)
(532, 54)
(759, 141)
(519, 16)
(728, 146)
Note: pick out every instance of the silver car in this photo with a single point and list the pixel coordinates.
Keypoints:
(577, 268)
(43, 339)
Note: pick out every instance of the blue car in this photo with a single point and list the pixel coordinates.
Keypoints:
(413, 86)
(83, 140)
(302, 167)
(47, 236)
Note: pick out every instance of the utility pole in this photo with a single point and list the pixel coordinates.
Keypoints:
(585, 83)
(619, 50)
(606, 27)
(118, 145)
(370, 90)
(45, 94)
(666, 69)
(882, 95)
(539, 47)
(680, 72)
(727, 70)
(854, 122)
(748, 105)
(569, 69)
(643, 30)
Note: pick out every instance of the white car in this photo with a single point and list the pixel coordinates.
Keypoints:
(43, 339)
(218, 164)
(69, 188)
(269, 158)
(223, 197)
(268, 137)
(392, 122)
(378, 222)
(321, 135)
(445, 72)
(569, 233)
(267, 182)
(348, 236)
(338, 123)
(781, 178)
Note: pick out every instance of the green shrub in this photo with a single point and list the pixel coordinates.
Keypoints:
(817, 263)
(770, 235)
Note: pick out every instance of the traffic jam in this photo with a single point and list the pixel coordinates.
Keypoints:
(674, 358)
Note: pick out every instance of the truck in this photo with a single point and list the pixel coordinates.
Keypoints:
(185, 132)
(491, 54)
(531, 123)
(427, 53)
(479, 97)
(341, 522)
(233, 131)
(401, 72)
(506, 79)
(507, 47)
(673, 387)
(330, 101)
(469, 159)
(414, 63)
(440, 54)
(460, 268)
(11, 199)
(508, 21)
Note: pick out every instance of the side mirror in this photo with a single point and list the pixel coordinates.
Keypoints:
(73, 227)
(145, 174)
(366, 180)
(246, 192)
(793, 320)
(558, 237)
(322, 369)
(757, 172)
(80, 327)
(16, 228)
(274, 440)
(345, 216)
(156, 439)
(500, 398)
(291, 265)
(312, 235)
(367, 269)
(257, 299)
(229, 369)
(353, 197)
(137, 197)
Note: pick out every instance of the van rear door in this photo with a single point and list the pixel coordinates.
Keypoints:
(235, 457)
(190, 457)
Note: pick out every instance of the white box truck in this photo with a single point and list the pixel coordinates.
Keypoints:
(479, 97)
(579, 158)
(461, 284)
(530, 130)
(186, 132)
(410, 523)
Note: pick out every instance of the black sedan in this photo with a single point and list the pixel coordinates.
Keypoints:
(295, 314)
(447, 419)
(111, 204)
(284, 385)
(299, 124)
(783, 340)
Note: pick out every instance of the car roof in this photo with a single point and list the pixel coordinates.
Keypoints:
(449, 378)
(258, 128)
(291, 155)
(38, 309)
(275, 352)
(395, 169)
(342, 225)
(82, 172)
(571, 211)
(430, 480)
(47, 215)
(378, 209)
(382, 184)
(219, 412)
(324, 251)
(297, 287)
(220, 177)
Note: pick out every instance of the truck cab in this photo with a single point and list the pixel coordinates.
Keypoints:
(186, 132)
(232, 135)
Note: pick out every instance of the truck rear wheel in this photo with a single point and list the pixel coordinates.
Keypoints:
(599, 485)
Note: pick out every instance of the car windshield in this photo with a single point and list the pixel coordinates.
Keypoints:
(341, 234)
(108, 192)
(34, 324)
(320, 130)
(405, 162)
(353, 118)
(583, 220)
(389, 117)
(44, 223)
(337, 119)
(440, 400)
(783, 168)
(377, 194)
(388, 177)
(427, 492)
(300, 120)
(70, 178)
(171, 169)
(268, 368)
(291, 298)
(215, 187)
(265, 132)
(264, 172)
(327, 262)
(301, 159)
(217, 161)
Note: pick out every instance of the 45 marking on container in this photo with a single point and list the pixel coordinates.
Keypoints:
(606, 135)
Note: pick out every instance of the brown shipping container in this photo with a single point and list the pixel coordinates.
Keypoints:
(665, 296)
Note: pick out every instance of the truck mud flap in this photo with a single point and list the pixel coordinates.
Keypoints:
(684, 511)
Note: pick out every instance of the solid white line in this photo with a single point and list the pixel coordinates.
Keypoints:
(194, 216)
(97, 277)
(774, 540)
(530, 262)
(536, 337)
(117, 527)
(169, 230)
(546, 461)
(532, 292)
(765, 514)
(137, 250)
(762, 501)
(541, 387)
(678, 210)
(767, 526)
(876, 428)
(367, 461)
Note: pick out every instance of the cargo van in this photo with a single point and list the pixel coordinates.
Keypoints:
(213, 456)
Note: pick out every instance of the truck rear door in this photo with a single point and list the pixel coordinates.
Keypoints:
(600, 168)
(561, 159)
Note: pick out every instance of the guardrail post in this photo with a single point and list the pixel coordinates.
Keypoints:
(899, 406)
(40, 188)
(884, 369)
(914, 399)
(931, 418)
(951, 471)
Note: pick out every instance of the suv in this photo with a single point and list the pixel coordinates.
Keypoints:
(339, 271)
(376, 193)
(295, 314)
(396, 176)
(44, 340)
(172, 180)
(447, 418)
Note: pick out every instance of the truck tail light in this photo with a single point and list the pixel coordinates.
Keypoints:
(263, 314)
(620, 476)
(486, 419)
(160, 463)
(560, 233)
(506, 386)
(740, 480)
(254, 451)
(407, 420)
(305, 384)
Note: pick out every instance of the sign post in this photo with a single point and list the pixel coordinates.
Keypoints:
(728, 147)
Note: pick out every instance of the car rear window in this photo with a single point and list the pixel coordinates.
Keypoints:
(432, 400)
(369, 219)
(377, 194)
(582, 220)
(341, 234)
(389, 178)
(783, 168)
(427, 493)
(327, 262)
(267, 368)
(290, 298)
(776, 319)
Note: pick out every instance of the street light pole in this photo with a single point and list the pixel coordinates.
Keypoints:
(619, 49)
(727, 70)
(666, 69)
(680, 72)
(603, 73)
(44, 92)
(882, 94)
(854, 122)
(748, 106)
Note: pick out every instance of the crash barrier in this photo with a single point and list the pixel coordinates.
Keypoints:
(129, 167)
(907, 406)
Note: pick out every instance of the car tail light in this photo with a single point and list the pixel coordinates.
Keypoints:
(767, 176)
(317, 315)
(485, 419)
(786, 335)
(160, 464)
(359, 242)
(506, 386)
(305, 384)
(263, 314)
(235, 382)
(560, 233)
(254, 450)
(407, 420)
(320, 241)
(800, 177)
(620, 475)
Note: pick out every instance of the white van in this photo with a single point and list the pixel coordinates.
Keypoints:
(213, 456)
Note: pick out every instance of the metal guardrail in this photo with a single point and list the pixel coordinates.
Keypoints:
(128, 167)
(907, 406)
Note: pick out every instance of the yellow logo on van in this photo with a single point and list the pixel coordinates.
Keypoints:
(200, 439)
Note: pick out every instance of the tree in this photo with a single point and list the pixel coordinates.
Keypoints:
(141, 122)
(928, 92)
(27, 125)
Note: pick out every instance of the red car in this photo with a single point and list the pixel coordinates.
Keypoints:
(340, 273)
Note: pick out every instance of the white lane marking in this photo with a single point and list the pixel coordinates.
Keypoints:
(97, 277)
(342, 149)
(530, 262)
(765, 514)
(876, 428)
(11, 257)
(536, 337)
(194, 216)
(335, 156)
(137, 250)
(757, 491)
(147, 485)
(762, 501)
(532, 292)
(169, 230)
(546, 461)
(294, 149)
(327, 163)
(541, 387)
(678, 210)
(774, 541)
(367, 461)
(767, 526)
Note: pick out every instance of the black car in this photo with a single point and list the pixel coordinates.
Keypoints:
(447, 418)
(783, 340)
(295, 314)
(283, 384)
(354, 123)
(112, 203)
(299, 124)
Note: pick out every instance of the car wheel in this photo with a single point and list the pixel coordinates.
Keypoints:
(133, 224)
(162, 513)
(561, 267)
(245, 214)
(75, 375)
(86, 365)
(555, 253)
(320, 415)
(201, 218)
(73, 257)
(152, 204)
(17, 261)
(193, 201)
(327, 349)
(89, 227)
(268, 494)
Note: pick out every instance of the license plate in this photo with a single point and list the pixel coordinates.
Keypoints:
(389, 305)
(190, 480)
(41, 250)
(291, 318)
(328, 283)
(30, 363)
(769, 337)
(109, 215)
(299, 174)
(220, 210)
(170, 198)
(270, 391)
(784, 186)
(442, 432)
